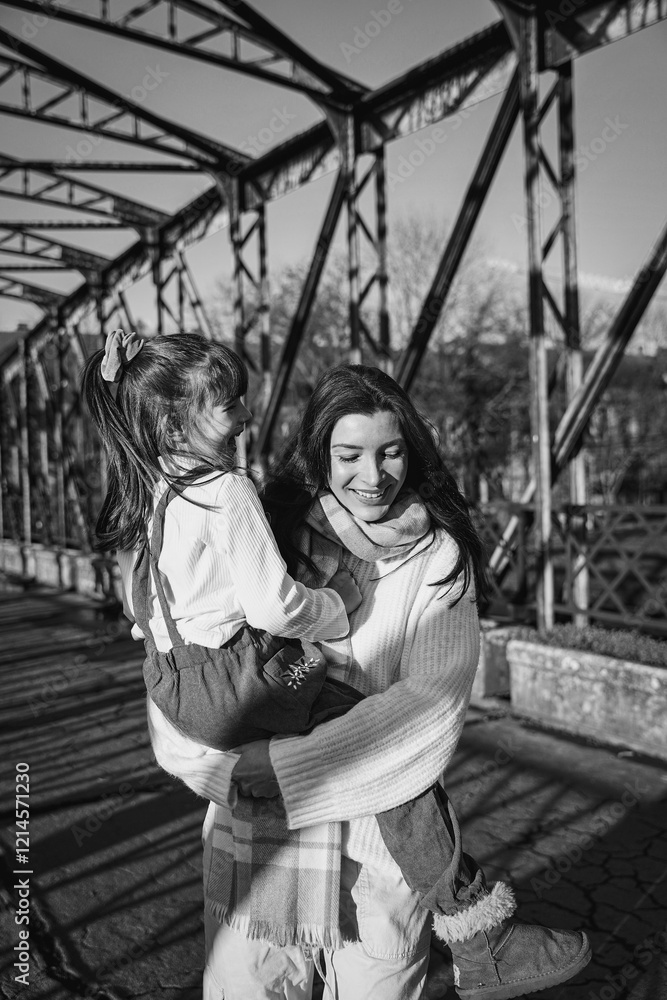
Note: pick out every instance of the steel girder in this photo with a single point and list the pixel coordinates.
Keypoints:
(47, 186)
(46, 298)
(279, 61)
(591, 24)
(311, 154)
(461, 233)
(30, 244)
(110, 166)
(478, 67)
(536, 46)
(119, 119)
(202, 216)
(569, 433)
(315, 152)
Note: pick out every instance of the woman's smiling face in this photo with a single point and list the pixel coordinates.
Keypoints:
(369, 463)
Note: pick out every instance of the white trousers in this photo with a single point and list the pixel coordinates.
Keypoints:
(388, 962)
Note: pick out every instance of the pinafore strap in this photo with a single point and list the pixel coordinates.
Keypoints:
(147, 564)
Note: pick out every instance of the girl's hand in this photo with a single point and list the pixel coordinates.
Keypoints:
(343, 583)
(253, 773)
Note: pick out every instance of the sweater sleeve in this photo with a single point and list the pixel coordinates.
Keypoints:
(206, 772)
(391, 746)
(268, 595)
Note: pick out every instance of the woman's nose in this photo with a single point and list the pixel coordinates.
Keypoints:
(371, 472)
(246, 414)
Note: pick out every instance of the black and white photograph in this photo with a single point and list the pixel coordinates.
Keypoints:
(333, 527)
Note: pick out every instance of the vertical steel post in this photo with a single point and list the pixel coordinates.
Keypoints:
(385, 361)
(59, 442)
(3, 424)
(24, 445)
(44, 491)
(349, 147)
(99, 311)
(575, 364)
(236, 236)
(539, 410)
(156, 250)
(264, 311)
(4, 494)
(181, 296)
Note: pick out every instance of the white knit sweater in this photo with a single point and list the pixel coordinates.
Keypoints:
(415, 656)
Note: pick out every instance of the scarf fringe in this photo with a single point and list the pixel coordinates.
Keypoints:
(304, 935)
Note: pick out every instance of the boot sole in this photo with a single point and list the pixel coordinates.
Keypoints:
(533, 985)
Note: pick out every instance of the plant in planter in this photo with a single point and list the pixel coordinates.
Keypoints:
(610, 685)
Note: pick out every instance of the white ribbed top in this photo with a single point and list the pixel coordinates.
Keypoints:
(416, 657)
(221, 567)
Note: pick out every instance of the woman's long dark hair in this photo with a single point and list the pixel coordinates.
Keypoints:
(306, 467)
(155, 413)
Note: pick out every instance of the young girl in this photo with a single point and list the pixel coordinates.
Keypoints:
(168, 411)
(206, 585)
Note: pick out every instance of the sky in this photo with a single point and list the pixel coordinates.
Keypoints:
(620, 136)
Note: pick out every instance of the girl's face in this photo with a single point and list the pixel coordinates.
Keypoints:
(369, 463)
(221, 423)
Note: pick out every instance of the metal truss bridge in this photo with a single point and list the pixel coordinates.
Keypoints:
(527, 55)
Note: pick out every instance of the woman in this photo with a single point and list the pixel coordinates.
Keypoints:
(363, 479)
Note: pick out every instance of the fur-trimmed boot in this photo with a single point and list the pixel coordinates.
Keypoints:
(496, 958)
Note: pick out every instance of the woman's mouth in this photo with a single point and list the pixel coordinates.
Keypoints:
(369, 496)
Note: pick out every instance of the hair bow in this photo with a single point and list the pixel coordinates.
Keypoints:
(119, 350)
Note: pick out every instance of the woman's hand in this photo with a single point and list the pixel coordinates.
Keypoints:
(344, 585)
(253, 773)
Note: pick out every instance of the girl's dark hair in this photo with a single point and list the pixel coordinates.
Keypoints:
(306, 467)
(156, 413)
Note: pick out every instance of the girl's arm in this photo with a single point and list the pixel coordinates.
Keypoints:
(391, 746)
(270, 598)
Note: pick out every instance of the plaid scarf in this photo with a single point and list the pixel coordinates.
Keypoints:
(269, 882)
(397, 537)
(264, 880)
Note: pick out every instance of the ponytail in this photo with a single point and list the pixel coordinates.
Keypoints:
(125, 464)
(157, 401)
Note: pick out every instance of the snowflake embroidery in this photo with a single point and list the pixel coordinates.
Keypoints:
(296, 673)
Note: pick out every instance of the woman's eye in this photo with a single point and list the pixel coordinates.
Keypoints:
(348, 458)
(397, 454)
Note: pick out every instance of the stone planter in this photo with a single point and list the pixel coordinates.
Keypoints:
(492, 678)
(614, 701)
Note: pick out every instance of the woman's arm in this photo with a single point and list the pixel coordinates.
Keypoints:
(393, 745)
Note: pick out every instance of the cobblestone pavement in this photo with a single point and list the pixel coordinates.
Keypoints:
(111, 880)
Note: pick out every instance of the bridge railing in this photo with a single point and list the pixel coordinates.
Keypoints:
(610, 564)
(610, 561)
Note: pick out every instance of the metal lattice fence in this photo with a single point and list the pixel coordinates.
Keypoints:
(610, 564)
